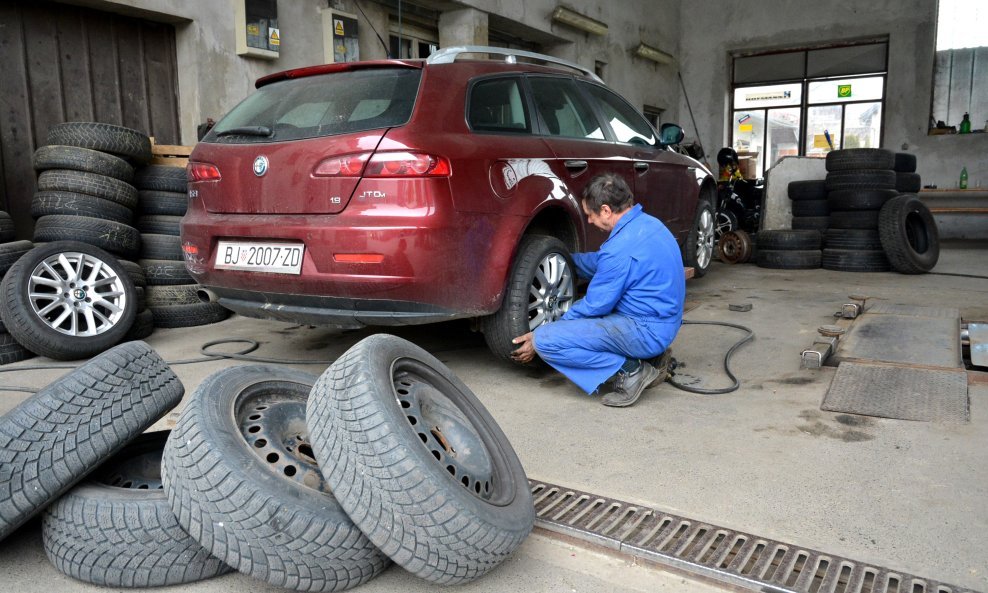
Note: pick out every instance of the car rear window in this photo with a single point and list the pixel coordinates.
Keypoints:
(496, 105)
(323, 105)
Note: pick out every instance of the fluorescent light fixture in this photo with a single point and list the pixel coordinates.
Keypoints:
(651, 53)
(579, 21)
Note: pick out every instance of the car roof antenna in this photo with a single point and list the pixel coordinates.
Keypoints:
(387, 50)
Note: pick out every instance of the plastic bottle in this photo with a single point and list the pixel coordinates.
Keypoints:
(963, 184)
(966, 124)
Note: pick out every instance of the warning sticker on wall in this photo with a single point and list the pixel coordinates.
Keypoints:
(338, 27)
(274, 37)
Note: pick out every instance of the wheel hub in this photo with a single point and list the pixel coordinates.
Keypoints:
(446, 432)
(77, 294)
(273, 425)
(551, 292)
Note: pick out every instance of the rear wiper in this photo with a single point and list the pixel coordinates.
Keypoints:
(246, 131)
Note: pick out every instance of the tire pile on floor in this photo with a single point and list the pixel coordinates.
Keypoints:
(79, 290)
(307, 483)
(868, 223)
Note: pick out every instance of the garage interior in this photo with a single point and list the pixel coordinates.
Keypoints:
(891, 493)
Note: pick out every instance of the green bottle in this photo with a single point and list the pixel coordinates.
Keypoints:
(963, 178)
(966, 124)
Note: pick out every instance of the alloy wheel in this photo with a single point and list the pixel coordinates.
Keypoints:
(77, 294)
(704, 238)
(551, 292)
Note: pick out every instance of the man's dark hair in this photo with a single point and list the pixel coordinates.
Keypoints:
(608, 189)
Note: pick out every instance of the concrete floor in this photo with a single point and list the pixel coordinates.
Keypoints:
(909, 496)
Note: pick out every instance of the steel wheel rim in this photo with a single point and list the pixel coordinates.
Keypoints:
(449, 435)
(271, 418)
(77, 294)
(551, 291)
(138, 467)
(704, 238)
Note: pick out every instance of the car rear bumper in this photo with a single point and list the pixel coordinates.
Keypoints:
(330, 311)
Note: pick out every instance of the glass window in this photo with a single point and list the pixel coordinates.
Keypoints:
(862, 125)
(627, 124)
(323, 105)
(782, 137)
(496, 105)
(749, 138)
(773, 95)
(563, 110)
(821, 122)
(850, 89)
(960, 82)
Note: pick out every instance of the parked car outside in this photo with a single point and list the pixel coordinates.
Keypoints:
(402, 192)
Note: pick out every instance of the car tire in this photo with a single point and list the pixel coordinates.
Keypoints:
(853, 159)
(810, 223)
(159, 224)
(48, 321)
(170, 296)
(905, 162)
(866, 239)
(861, 179)
(11, 350)
(807, 190)
(117, 529)
(7, 233)
(46, 203)
(241, 480)
(909, 235)
(698, 250)
(161, 178)
(80, 182)
(117, 238)
(908, 183)
(423, 469)
(142, 327)
(11, 252)
(854, 219)
(82, 159)
(154, 246)
(162, 202)
(164, 272)
(787, 240)
(542, 265)
(134, 271)
(190, 315)
(788, 260)
(123, 142)
(811, 208)
(61, 433)
(861, 199)
(855, 260)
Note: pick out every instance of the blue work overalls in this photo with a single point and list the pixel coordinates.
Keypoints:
(633, 306)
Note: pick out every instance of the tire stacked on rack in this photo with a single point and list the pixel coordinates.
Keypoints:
(11, 250)
(907, 180)
(859, 182)
(171, 293)
(789, 249)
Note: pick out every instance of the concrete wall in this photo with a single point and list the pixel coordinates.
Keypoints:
(712, 29)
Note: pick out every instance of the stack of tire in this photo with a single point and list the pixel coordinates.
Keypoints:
(11, 250)
(172, 294)
(75, 294)
(268, 472)
(786, 249)
(859, 182)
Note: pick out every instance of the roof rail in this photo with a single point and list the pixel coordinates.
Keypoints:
(449, 55)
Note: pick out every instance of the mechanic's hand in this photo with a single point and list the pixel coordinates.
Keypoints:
(526, 349)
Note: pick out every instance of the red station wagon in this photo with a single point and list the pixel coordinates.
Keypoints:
(402, 192)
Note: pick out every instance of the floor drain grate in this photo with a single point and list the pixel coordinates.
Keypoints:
(725, 555)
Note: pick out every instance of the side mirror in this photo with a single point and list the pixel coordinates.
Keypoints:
(671, 134)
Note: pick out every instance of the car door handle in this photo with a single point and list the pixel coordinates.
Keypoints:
(640, 166)
(575, 165)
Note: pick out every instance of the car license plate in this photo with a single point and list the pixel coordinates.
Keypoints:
(279, 258)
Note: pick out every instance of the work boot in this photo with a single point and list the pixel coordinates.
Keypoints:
(661, 364)
(629, 386)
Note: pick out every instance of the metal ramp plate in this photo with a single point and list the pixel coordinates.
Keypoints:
(904, 393)
(882, 308)
(905, 339)
(978, 333)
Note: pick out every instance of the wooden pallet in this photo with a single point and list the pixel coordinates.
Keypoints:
(172, 155)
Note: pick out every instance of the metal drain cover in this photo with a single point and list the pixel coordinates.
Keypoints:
(904, 393)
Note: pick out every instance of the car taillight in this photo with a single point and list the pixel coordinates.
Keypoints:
(202, 172)
(384, 164)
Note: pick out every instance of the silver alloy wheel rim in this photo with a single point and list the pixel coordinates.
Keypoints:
(77, 294)
(704, 238)
(724, 224)
(551, 292)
